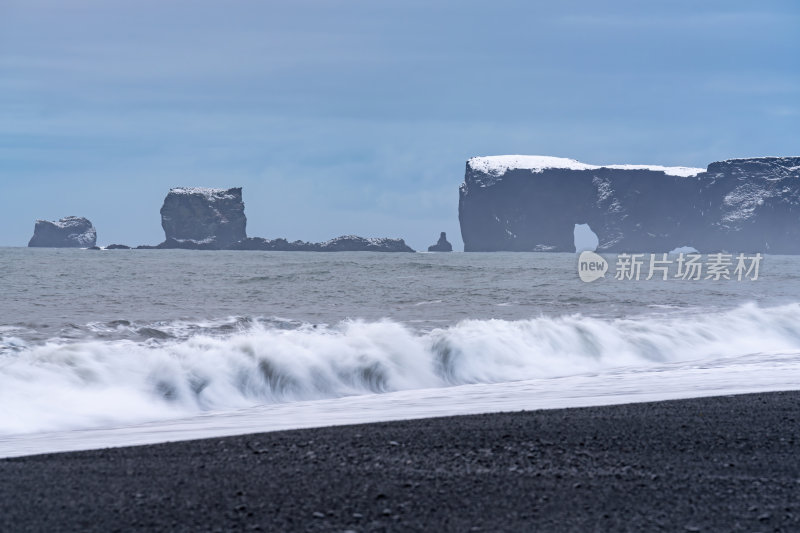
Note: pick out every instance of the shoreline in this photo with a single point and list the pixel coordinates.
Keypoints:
(724, 463)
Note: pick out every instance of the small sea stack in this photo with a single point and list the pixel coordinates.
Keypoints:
(441, 245)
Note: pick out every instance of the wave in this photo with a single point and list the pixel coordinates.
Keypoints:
(67, 384)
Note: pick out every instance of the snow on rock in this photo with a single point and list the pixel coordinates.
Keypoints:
(683, 172)
(497, 165)
(354, 243)
(69, 232)
(531, 203)
(198, 217)
(345, 243)
(206, 192)
(741, 203)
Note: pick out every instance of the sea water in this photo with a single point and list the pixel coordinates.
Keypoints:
(111, 348)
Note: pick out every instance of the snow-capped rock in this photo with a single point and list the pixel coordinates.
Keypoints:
(354, 243)
(345, 243)
(202, 218)
(526, 203)
(497, 165)
(69, 232)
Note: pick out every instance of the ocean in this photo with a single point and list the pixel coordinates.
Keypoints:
(110, 348)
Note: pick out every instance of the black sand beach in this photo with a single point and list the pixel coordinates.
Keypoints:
(714, 464)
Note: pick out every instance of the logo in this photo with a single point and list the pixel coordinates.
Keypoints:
(672, 266)
(591, 266)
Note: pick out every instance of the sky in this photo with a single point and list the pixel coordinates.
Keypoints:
(357, 117)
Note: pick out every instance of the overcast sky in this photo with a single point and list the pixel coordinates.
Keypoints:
(357, 117)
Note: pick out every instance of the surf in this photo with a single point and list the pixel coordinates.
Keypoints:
(63, 384)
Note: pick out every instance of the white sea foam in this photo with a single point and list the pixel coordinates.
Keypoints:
(70, 385)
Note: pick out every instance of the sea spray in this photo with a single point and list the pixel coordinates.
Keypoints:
(66, 384)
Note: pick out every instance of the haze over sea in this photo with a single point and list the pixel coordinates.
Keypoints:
(126, 347)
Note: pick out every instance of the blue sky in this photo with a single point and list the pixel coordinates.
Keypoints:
(358, 116)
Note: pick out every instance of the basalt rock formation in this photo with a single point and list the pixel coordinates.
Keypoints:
(345, 243)
(532, 203)
(197, 218)
(201, 218)
(441, 245)
(353, 243)
(69, 232)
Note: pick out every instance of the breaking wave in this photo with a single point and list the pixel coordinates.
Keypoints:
(67, 383)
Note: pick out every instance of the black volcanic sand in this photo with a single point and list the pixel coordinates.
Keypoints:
(714, 464)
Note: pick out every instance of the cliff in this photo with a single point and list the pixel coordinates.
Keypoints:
(69, 232)
(200, 218)
(532, 203)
